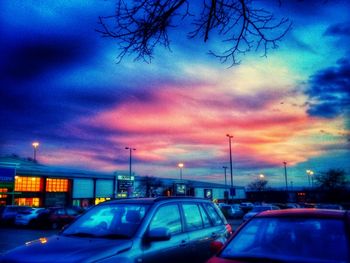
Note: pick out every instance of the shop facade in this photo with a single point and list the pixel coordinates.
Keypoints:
(24, 182)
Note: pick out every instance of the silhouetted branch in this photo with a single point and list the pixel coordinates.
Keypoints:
(140, 25)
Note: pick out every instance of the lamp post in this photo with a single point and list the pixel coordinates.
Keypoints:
(130, 151)
(261, 176)
(35, 147)
(285, 174)
(310, 174)
(225, 168)
(180, 165)
(229, 140)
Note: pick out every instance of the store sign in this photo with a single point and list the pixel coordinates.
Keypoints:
(7, 177)
(208, 193)
(125, 185)
(180, 189)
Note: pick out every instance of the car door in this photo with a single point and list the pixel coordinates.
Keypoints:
(176, 249)
(200, 230)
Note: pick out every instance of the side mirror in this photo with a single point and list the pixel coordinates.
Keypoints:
(216, 246)
(159, 234)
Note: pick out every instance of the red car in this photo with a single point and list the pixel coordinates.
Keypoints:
(291, 235)
(56, 217)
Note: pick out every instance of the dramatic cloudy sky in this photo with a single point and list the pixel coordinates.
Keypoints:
(60, 85)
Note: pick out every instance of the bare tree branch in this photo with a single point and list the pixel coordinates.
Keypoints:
(139, 26)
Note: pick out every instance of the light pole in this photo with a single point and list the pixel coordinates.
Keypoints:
(35, 147)
(225, 168)
(229, 140)
(180, 165)
(285, 174)
(310, 173)
(130, 151)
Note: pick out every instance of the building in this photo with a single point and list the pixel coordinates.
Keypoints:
(26, 182)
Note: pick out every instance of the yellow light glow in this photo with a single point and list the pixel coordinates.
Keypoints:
(181, 165)
(43, 240)
(35, 144)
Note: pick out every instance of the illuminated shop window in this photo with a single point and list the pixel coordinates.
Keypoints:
(27, 184)
(2, 191)
(56, 185)
(28, 201)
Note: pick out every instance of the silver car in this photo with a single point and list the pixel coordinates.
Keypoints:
(28, 217)
(154, 230)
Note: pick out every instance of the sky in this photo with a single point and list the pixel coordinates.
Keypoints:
(61, 85)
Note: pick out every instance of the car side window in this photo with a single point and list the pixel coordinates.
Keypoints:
(193, 218)
(205, 218)
(167, 216)
(213, 215)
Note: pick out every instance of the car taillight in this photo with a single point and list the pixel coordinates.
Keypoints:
(228, 228)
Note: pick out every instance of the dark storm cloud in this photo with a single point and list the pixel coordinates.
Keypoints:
(338, 30)
(105, 97)
(330, 88)
(31, 58)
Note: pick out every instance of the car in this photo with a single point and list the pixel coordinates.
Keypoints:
(246, 206)
(232, 211)
(162, 229)
(257, 209)
(8, 213)
(28, 217)
(329, 206)
(290, 235)
(56, 217)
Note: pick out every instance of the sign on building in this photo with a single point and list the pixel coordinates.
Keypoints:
(125, 185)
(7, 177)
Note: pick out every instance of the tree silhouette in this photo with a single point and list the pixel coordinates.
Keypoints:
(139, 26)
(148, 186)
(333, 179)
(257, 185)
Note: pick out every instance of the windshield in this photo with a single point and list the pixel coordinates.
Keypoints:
(291, 240)
(108, 221)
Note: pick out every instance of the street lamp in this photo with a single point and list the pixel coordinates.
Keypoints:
(261, 176)
(35, 147)
(285, 174)
(229, 140)
(180, 165)
(225, 168)
(130, 151)
(310, 174)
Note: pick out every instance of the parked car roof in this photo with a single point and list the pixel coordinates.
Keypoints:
(303, 212)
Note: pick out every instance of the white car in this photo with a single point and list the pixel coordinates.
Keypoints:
(27, 218)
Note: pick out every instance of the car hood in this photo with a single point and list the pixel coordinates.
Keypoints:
(60, 248)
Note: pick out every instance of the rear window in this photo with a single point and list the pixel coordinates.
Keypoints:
(213, 214)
